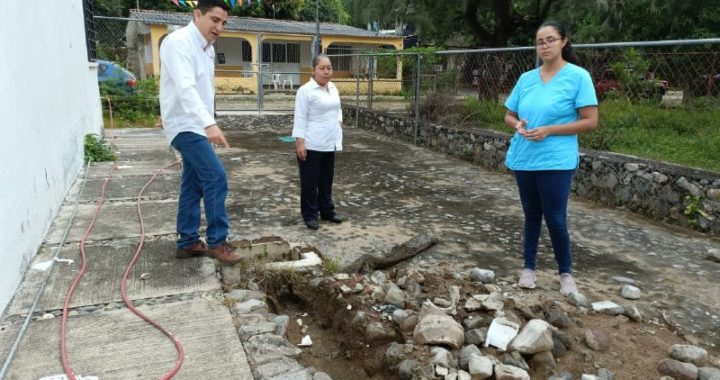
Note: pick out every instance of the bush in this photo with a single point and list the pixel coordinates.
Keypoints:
(141, 104)
(97, 149)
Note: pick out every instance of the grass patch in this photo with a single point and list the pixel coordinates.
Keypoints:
(687, 135)
(97, 149)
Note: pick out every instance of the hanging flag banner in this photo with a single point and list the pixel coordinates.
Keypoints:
(232, 3)
(184, 4)
(175, 2)
(191, 3)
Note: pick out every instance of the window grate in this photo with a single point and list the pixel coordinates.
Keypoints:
(90, 30)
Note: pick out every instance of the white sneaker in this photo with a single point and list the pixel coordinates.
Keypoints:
(567, 284)
(527, 279)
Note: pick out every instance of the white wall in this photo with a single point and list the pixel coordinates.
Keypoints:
(49, 100)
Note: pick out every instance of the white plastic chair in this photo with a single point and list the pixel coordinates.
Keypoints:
(276, 81)
(287, 81)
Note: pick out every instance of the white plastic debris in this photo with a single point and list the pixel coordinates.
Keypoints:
(64, 260)
(306, 341)
(42, 266)
(64, 377)
(500, 333)
(299, 322)
(349, 307)
(145, 276)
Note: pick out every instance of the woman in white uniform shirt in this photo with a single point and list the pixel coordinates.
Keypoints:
(317, 129)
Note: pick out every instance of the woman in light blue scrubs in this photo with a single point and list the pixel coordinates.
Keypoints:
(548, 107)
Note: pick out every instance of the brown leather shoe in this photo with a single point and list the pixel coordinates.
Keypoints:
(196, 250)
(226, 253)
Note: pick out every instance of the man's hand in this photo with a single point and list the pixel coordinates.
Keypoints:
(300, 149)
(216, 136)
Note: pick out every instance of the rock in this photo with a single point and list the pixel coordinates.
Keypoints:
(678, 370)
(443, 358)
(475, 336)
(562, 376)
(466, 353)
(494, 302)
(439, 329)
(624, 280)
(542, 361)
(441, 371)
(395, 296)
(240, 295)
(462, 375)
(245, 331)
(473, 322)
(409, 323)
(378, 294)
(394, 354)
(714, 255)
(607, 307)
(507, 372)
(249, 306)
(270, 344)
(378, 277)
(377, 331)
(713, 194)
(534, 337)
(481, 275)
(630, 292)
(359, 317)
(597, 340)
(473, 304)
(605, 374)
(321, 376)
(578, 299)
(399, 316)
(589, 377)
(406, 369)
(688, 354)
(480, 367)
(559, 350)
(281, 323)
(689, 186)
(558, 318)
(633, 313)
(515, 359)
(619, 320)
(708, 373)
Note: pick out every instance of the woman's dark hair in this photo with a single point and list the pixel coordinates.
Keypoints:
(567, 52)
(316, 59)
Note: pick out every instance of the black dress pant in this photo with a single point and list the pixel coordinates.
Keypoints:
(316, 179)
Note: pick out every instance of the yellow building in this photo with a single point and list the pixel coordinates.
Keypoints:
(256, 54)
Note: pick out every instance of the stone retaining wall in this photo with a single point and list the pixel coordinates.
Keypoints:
(669, 193)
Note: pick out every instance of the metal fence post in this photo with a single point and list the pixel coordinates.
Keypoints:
(371, 74)
(260, 75)
(357, 91)
(417, 97)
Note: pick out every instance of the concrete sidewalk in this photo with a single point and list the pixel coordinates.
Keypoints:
(104, 338)
(389, 191)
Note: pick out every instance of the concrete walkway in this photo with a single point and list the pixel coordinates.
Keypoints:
(388, 190)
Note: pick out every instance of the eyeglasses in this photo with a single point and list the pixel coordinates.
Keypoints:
(550, 41)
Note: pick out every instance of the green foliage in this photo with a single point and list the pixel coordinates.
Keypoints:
(139, 105)
(693, 210)
(329, 11)
(97, 149)
(331, 265)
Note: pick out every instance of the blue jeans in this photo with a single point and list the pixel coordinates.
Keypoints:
(203, 177)
(544, 194)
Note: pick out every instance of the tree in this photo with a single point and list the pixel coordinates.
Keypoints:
(329, 11)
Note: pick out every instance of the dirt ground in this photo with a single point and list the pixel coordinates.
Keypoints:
(389, 191)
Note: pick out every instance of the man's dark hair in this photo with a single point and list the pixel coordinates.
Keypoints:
(205, 5)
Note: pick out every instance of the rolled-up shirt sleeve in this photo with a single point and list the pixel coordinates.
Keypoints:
(302, 107)
(178, 64)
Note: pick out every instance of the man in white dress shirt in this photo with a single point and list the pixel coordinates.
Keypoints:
(187, 107)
